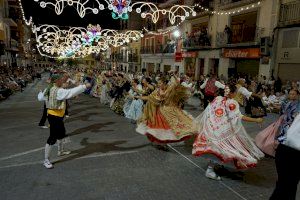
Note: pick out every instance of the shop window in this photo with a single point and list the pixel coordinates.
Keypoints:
(289, 38)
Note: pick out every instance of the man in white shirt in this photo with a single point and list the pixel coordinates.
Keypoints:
(55, 96)
(211, 86)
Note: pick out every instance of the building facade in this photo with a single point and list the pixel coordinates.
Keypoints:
(287, 41)
(234, 40)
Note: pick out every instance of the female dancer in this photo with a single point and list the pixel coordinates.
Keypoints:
(163, 121)
(222, 135)
(133, 108)
(286, 157)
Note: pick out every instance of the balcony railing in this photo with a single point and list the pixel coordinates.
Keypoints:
(227, 4)
(241, 35)
(159, 49)
(147, 50)
(133, 58)
(290, 13)
(197, 42)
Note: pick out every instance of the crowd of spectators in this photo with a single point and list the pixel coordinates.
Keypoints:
(199, 38)
(15, 79)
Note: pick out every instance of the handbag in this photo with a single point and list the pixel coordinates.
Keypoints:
(293, 134)
(265, 140)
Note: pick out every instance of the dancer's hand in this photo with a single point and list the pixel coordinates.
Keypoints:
(88, 85)
(259, 120)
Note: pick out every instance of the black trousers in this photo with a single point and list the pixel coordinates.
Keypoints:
(287, 162)
(44, 117)
(57, 129)
(207, 99)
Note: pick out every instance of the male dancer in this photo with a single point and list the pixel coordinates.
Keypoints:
(56, 97)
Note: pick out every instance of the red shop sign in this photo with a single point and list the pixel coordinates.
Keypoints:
(189, 54)
(242, 53)
(178, 57)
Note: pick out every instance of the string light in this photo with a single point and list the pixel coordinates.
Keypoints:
(230, 12)
(27, 22)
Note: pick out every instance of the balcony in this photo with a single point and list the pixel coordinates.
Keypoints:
(159, 49)
(197, 41)
(243, 36)
(133, 58)
(147, 50)
(289, 13)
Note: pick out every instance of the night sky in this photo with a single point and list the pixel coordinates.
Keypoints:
(69, 17)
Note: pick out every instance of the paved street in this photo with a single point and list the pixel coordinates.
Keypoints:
(110, 160)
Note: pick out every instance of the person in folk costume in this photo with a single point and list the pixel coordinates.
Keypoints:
(211, 86)
(222, 137)
(44, 116)
(286, 155)
(133, 108)
(253, 100)
(56, 97)
(163, 121)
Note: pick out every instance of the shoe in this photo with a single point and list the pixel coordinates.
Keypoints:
(163, 148)
(210, 173)
(67, 116)
(44, 127)
(63, 153)
(48, 164)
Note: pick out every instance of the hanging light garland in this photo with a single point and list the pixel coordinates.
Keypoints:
(154, 12)
(121, 8)
(80, 5)
(116, 38)
(76, 42)
(220, 12)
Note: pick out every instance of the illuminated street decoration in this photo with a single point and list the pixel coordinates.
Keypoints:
(80, 5)
(92, 35)
(114, 38)
(72, 43)
(119, 8)
(221, 12)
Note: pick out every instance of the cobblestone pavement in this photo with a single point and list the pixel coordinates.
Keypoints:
(110, 160)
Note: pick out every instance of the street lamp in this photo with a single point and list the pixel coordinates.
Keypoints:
(176, 34)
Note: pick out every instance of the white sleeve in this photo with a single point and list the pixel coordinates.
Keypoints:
(41, 96)
(245, 92)
(219, 85)
(184, 84)
(63, 94)
(203, 84)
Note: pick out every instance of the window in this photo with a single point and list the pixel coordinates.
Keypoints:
(290, 38)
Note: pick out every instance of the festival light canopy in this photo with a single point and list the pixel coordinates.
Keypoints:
(76, 42)
(120, 8)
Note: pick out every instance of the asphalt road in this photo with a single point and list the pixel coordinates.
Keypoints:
(110, 160)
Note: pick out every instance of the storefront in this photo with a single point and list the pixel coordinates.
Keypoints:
(150, 68)
(189, 59)
(245, 61)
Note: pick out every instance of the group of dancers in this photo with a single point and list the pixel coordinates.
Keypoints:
(157, 110)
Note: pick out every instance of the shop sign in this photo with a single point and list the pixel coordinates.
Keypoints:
(189, 54)
(242, 53)
(178, 57)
